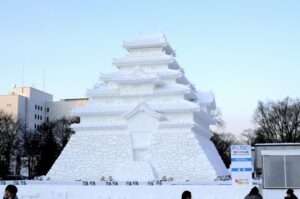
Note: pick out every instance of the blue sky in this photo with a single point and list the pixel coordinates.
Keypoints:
(244, 51)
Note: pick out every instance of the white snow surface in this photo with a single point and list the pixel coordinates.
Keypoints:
(138, 170)
(63, 190)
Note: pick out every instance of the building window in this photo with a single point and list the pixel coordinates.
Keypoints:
(35, 107)
(41, 117)
(34, 126)
(41, 108)
(286, 169)
(47, 119)
(47, 109)
(35, 116)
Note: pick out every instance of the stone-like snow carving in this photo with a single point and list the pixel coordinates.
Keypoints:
(143, 122)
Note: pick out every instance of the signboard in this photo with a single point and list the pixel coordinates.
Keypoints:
(241, 165)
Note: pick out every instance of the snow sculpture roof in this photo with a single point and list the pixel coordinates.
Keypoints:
(143, 107)
(111, 125)
(102, 92)
(205, 97)
(91, 109)
(139, 75)
(141, 41)
(129, 60)
(165, 90)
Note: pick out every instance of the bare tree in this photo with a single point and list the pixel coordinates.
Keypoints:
(218, 118)
(223, 142)
(31, 143)
(48, 149)
(62, 130)
(39, 148)
(248, 136)
(54, 137)
(278, 121)
(8, 141)
(221, 139)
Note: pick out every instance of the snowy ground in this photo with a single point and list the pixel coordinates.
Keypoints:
(42, 190)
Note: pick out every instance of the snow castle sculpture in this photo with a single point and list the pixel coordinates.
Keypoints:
(143, 122)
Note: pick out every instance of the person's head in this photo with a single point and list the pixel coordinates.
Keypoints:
(290, 192)
(254, 191)
(10, 191)
(186, 195)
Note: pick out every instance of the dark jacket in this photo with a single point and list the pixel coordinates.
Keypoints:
(254, 197)
(14, 197)
(292, 197)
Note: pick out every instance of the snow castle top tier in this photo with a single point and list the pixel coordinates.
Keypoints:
(144, 122)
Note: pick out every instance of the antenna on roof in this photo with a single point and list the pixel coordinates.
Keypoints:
(44, 78)
(22, 75)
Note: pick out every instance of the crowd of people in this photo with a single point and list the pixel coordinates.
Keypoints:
(253, 194)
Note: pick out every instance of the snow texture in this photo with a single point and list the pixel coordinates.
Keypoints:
(68, 191)
(75, 190)
(139, 124)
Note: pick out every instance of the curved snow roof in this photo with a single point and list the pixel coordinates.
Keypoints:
(143, 60)
(93, 108)
(205, 97)
(141, 41)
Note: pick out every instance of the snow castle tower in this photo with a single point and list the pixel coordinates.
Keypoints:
(143, 122)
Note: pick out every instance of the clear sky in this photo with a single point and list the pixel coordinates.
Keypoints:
(244, 51)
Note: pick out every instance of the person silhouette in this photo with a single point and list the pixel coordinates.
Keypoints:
(10, 192)
(186, 195)
(290, 194)
(254, 194)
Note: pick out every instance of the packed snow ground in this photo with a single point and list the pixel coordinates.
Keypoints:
(56, 190)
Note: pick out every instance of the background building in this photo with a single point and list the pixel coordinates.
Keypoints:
(63, 107)
(34, 106)
(279, 158)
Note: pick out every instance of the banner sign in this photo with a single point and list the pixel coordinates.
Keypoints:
(241, 165)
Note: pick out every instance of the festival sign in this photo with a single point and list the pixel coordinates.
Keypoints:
(241, 165)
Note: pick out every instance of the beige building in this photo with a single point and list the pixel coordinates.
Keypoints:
(34, 106)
